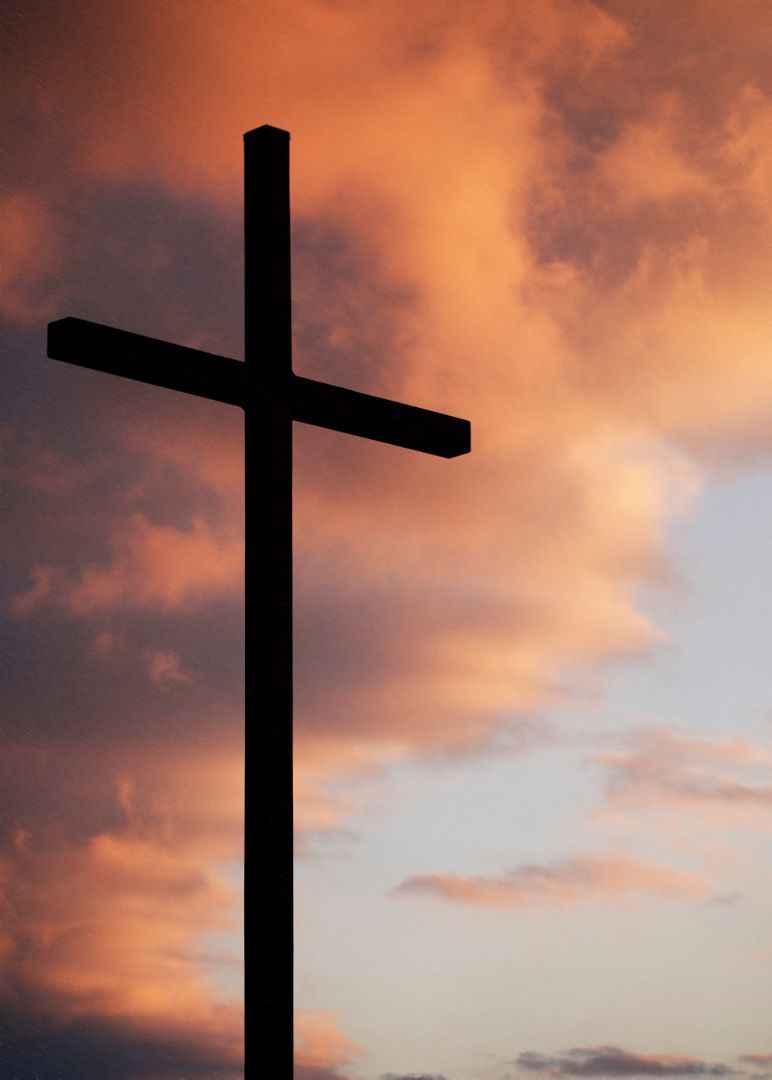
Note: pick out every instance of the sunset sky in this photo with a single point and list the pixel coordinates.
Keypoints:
(533, 706)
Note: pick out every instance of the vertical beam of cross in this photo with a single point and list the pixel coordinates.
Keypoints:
(268, 835)
(272, 396)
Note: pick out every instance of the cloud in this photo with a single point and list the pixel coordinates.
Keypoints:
(110, 1050)
(155, 566)
(613, 1061)
(24, 603)
(30, 238)
(608, 879)
(315, 1072)
(659, 769)
(108, 909)
(650, 161)
(412, 1076)
(115, 935)
(320, 1048)
(165, 669)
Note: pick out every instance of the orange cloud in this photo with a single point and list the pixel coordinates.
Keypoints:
(115, 924)
(29, 239)
(319, 1045)
(165, 668)
(115, 936)
(649, 164)
(608, 879)
(153, 566)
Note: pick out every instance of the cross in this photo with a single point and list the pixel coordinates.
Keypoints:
(272, 396)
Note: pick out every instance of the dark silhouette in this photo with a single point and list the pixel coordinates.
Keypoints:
(272, 396)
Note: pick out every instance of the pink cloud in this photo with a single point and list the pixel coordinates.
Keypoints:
(165, 668)
(661, 769)
(320, 1048)
(605, 879)
(30, 242)
(109, 925)
(115, 937)
(153, 566)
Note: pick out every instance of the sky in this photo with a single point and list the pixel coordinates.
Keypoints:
(533, 728)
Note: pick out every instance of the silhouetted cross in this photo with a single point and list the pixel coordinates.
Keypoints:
(272, 396)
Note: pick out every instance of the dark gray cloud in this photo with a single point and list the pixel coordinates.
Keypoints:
(412, 1076)
(317, 1072)
(35, 1049)
(614, 1061)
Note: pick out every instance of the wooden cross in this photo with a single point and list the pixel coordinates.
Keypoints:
(272, 396)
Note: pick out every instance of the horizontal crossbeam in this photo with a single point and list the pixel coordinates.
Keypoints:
(378, 418)
(176, 367)
(144, 359)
